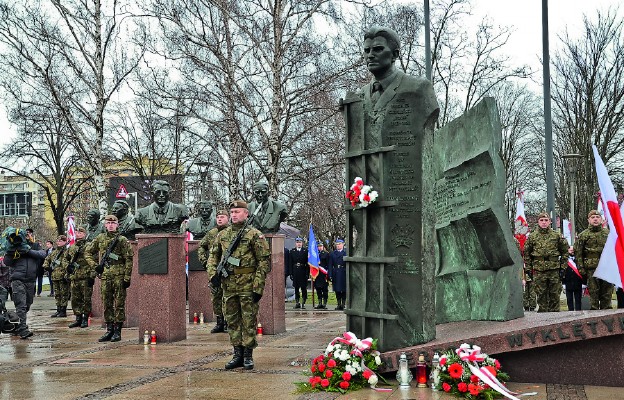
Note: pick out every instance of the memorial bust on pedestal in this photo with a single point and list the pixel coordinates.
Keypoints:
(94, 227)
(162, 216)
(272, 212)
(127, 223)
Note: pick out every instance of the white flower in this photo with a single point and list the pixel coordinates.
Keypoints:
(377, 360)
(366, 188)
(373, 380)
(373, 195)
(343, 355)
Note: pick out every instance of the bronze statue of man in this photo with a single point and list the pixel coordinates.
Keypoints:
(162, 216)
(201, 225)
(272, 212)
(94, 227)
(127, 223)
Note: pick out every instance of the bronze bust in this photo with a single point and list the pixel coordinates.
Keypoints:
(127, 223)
(162, 216)
(201, 225)
(272, 212)
(94, 227)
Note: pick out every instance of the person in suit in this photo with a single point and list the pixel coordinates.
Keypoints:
(299, 272)
(338, 273)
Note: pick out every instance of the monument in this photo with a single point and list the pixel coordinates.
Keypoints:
(391, 243)
(162, 216)
(272, 212)
(127, 223)
(201, 225)
(94, 227)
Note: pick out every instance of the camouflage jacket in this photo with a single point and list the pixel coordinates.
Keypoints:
(589, 245)
(203, 250)
(120, 260)
(253, 252)
(56, 263)
(81, 269)
(543, 249)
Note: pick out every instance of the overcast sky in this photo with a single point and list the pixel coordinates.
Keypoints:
(525, 45)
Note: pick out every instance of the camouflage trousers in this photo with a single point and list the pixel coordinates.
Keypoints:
(217, 302)
(81, 293)
(528, 298)
(114, 299)
(61, 292)
(547, 286)
(241, 315)
(600, 292)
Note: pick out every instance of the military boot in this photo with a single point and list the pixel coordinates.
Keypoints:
(62, 312)
(85, 321)
(116, 332)
(77, 322)
(56, 314)
(109, 333)
(237, 360)
(248, 358)
(219, 327)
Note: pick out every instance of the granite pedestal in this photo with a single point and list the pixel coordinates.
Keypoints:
(272, 312)
(199, 297)
(568, 347)
(132, 296)
(161, 286)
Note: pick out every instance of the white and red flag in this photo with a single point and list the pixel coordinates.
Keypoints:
(521, 228)
(71, 231)
(611, 265)
(601, 209)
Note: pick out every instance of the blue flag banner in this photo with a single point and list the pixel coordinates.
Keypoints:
(313, 256)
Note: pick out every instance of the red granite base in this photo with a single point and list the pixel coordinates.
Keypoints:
(572, 347)
(272, 312)
(199, 297)
(162, 305)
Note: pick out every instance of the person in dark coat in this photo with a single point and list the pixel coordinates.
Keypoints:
(338, 273)
(299, 272)
(30, 240)
(321, 283)
(573, 286)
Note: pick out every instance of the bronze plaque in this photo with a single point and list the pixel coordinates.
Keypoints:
(153, 259)
(193, 262)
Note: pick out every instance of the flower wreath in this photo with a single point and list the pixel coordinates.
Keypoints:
(347, 364)
(361, 195)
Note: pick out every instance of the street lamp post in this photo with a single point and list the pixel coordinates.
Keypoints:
(203, 171)
(136, 200)
(570, 161)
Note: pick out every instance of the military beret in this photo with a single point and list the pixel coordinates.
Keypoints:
(111, 217)
(339, 241)
(81, 229)
(223, 212)
(593, 212)
(543, 215)
(238, 204)
(62, 237)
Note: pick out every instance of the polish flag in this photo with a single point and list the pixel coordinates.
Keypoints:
(611, 265)
(71, 231)
(601, 209)
(521, 228)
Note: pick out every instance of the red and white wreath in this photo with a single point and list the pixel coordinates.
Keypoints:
(361, 195)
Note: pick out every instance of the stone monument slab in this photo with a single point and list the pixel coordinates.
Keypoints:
(199, 298)
(272, 309)
(153, 258)
(479, 266)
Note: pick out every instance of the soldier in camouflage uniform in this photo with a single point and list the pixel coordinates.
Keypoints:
(115, 275)
(243, 287)
(82, 277)
(55, 263)
(588, 248)
(544, 252)
(203, 252)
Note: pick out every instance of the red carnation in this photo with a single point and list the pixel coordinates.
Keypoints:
(312, 381)
(321, 367)
(313, 369)
(367, 374)
(497, 364)
(366, 197)
(491, 370)
(474, 389)
(462, 387)
(455, 371)
(344, 385)
(328, 373)
(446, 387)
(443, 362)
(325, 383)
(331, 363)
(317, 379)
(474, 378)
(346, 376)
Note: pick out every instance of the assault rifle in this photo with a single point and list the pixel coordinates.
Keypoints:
(226, 257)
(104, 260)
(73, 266)
(57, 260)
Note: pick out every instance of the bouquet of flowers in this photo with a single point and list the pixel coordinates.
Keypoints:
(347, 364)
(361, 195)
(466, 372)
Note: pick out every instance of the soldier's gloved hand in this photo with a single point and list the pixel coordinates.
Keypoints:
(256, 297)
(126, 284)
(91, 282)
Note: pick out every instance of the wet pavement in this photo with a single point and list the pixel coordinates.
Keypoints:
(62, 363)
